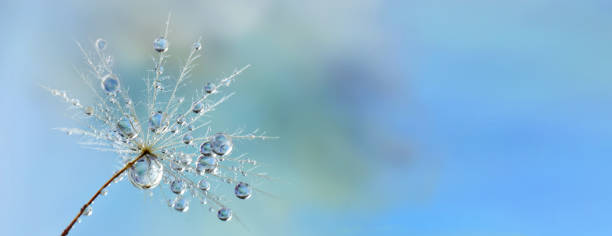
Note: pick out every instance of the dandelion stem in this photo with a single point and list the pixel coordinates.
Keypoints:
(117, 174)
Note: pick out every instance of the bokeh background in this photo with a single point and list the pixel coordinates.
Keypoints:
(396, 117)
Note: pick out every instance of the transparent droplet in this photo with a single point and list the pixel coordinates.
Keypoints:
(178, 186)
(206, 149)
(222, 144)
(190, 128)
(87, 211)
(160, 44)
(126, 128)
(209, 87)
(197, 46)
(110, 83)
(243, 190)
(159, 70)
(89, 110)
(206, 164)
(155, 122)
(174, 129)
(203, 185)
(187, 138)
(198, 107)
(181, 204)
(224, 214)
(100, 44)
(180, 120)
(104, 192)
(146, 173)
(185, 159)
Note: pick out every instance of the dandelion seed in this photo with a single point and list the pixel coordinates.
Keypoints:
(151, 149)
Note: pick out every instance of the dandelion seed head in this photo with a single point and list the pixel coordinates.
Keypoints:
(173, 145)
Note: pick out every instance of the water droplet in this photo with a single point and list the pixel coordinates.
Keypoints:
(126, 128)
(104, 192)
(190, 128)
(110, 83)
(222, 144)
(100, 44)
(206, 149)
(198, 107)
(146, 173)
(159, 70)
(187, 138)
(197, 46)
(160, 44)
(155, 122)
(209, 87)
(178, 186)
(87, 211)
(224, 214)
(203, 185)
(174, 129)
(180, 120)
(243, 190)
(181, 204)
(185, 159)
(89, 110)
(206, 164)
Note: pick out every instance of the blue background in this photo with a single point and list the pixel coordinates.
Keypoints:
(396, 117)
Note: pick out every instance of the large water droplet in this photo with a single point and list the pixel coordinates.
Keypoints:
(181, 204)
(178, 186)
(224, 214)
(146, 173)
(222, 144)
(204, 185)
(155, 122)
(160, 44)
(110, 83)
(198, 107)
(243, 190)
(187, 138)
(209, 87)
(100, 44)
(206, 164)
(126, 128)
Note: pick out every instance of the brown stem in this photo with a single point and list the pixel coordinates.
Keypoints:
(128, 165)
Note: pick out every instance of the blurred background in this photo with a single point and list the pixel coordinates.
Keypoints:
(395, 117)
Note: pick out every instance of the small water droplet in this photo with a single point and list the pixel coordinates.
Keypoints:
(155, 122)
(197, 46)
(146, 173)
(87, 211)
(209, 87)
(187, 138)
(178, 186)
(159, 70)
(89, 110)
(222, 144)
(224, 214)
(110, 83)
(190, 128)
(104, 192)
(243, 190)
(198, 107)
(203, 185)
(181, 204)
(100, 44)
(206, 164)
(160, 44)
(206, 149)
(126, 128)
